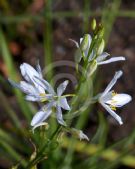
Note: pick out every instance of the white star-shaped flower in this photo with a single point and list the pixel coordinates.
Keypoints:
(111, 100)
(56, 100)
(39, 90)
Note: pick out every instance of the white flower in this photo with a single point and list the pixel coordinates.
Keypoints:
(33, 91)
(84, 47)
(35, 88)
(56, 100)
(110, 100)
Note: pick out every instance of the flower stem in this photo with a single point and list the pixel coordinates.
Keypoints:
(40, 155)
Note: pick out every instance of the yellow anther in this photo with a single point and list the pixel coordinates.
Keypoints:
(42, 94)
(114, 93)
(113, 108)
(43, 100)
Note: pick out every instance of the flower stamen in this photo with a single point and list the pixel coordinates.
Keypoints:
(113, 107)
(43, 95)
(114, 93)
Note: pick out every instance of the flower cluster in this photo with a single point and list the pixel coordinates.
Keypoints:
(90, 53)
(39, 90)
(108, 99)
(92, 56)
(83, 52)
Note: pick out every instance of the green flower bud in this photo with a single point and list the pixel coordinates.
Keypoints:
(92, 68)
(101, 47)
(85, 42)
(100, 31)
(93, 24)
(78, 56)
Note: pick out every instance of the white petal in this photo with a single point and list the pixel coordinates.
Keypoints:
(81, 39)
(120, 100)
(112, 113)
(113, 59)
(39, 69)
(59, 116)
(61, 88)
(40, 124)
(28, 88)
(28, 72)
(112, 83)
(24, 87)
(102, 56)
(107, 97)
(23, 72)
(40, 117)
(64, 104)
(44, 84)
(32, 98)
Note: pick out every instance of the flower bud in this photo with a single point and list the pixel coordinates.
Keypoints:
(92, 67)
(93, 24)
(101, 47)
(100, 30)
(85, 42)
(78, 56)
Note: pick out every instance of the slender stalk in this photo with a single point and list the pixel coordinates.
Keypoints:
(40, 155)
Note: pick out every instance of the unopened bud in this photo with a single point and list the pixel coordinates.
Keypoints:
(101, 47)
(92, 68)
(78, 56)
(85, 42)
(101, 31)
(93, 24)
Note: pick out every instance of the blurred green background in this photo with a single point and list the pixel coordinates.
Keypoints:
(40, 29)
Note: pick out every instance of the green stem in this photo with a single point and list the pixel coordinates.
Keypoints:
(40, 155)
